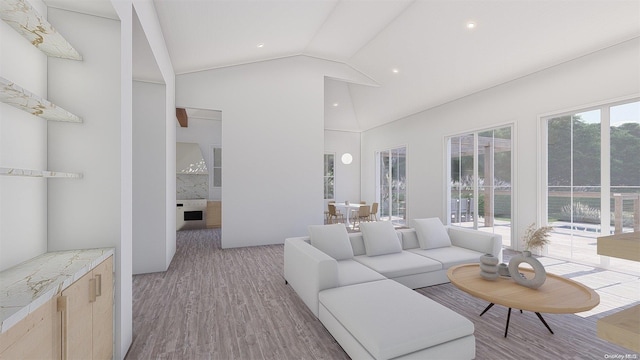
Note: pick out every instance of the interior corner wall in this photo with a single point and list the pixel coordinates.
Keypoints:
(346, 176)
(148, 17)
(85, 213)
(608, 74)
(124, 282)
(23, 144)
(149, 185)
(273, 141)
(94, 211)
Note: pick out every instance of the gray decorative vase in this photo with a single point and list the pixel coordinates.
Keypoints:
(540, 274)
(489, 267)
(503, 269)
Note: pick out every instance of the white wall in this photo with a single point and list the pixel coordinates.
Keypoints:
(124, 293)
(86, 213)
(273, 144)
(346, 177)
(96, 210)
(23, 144)
(149, 183)
(205, 133)
(149, 21)
(124, 287)
(607, 74)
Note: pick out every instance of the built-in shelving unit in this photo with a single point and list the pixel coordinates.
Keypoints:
(38, 173)
(16, 96)
(623, 327)
(21, 16)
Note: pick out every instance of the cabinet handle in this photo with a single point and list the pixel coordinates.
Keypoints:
(99, 284)
(62, 303)
(92, 290)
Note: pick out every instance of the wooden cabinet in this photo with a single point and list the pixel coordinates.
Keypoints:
(35, 337)
(103, 311)
(76, 324)
(622, 327)
(214, 214)
(87, 315)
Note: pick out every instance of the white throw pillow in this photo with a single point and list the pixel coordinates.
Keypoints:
(431, 233)
(332, 240)
(380, 238)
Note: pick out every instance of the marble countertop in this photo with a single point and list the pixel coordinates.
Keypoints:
(24, 287)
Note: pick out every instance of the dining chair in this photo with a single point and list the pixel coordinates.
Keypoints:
(326, 212)
(354, 212)
(333, 213)
(363, 215)
(373, 215)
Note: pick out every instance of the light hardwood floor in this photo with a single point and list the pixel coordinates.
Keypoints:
(233, 304)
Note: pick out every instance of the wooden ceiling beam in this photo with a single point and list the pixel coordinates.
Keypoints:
(181, 114)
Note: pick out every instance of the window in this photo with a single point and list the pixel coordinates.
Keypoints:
(217, 167)
(329, 177)
(392, 185)
(592, 178)
(480, 181)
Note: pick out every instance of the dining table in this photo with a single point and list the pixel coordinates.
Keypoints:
(348, 207)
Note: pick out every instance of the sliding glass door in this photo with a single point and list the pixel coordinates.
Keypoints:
(392, 184)
(592, 178)
(479, 181)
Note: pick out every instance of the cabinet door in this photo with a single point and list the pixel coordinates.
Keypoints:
(77, 320)
(103, 311)
(35, 337)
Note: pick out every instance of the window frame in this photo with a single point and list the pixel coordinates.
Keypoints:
(377, 155)
(325, 176)
(605, 161)
(446, 206)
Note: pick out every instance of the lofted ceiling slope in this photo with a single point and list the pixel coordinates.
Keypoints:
(436, 57)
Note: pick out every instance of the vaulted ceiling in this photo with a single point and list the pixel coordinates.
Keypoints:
(421, 52)
(428, 42)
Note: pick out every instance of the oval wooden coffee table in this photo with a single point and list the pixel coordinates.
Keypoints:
(558, 295)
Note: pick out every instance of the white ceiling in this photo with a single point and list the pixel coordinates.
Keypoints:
(438, 58)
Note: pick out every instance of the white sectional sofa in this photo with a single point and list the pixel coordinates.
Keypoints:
(351, 282)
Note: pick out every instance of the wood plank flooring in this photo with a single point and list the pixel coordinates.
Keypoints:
(233, 304)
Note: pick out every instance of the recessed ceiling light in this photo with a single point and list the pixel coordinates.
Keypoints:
(471, 25)
(261, 45)
(335, 104)
(395, 70)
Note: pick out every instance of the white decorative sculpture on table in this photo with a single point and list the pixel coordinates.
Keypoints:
(533, 238)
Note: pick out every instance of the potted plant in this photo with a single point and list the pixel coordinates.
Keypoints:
(535, 238)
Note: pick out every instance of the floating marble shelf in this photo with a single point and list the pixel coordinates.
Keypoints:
(38, 173)
(22, 99)
(23, 18)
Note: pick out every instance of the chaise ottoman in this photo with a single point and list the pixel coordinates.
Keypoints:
(386, 320)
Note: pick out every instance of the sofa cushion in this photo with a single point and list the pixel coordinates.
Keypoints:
(380, 238)
(390, 320)
(450, 256)
(352, 272)
(332, 240)
(357, 243)
(399, 264)
(431, 233)
(409, 239)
